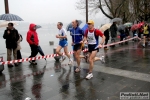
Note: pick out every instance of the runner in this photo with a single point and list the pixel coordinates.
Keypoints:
(92, 35)
(146, 34)
(63, 42)
(77, 36)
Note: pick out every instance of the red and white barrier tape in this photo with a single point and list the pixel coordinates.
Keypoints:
(54, 55)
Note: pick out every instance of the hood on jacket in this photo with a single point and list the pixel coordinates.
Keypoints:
(32, 27)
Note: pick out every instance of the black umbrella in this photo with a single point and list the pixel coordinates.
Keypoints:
(41, 51)
(10, 17)
(69, 26)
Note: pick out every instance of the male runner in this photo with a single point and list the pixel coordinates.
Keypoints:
(77, 37)
(62, 42)
(92, 37)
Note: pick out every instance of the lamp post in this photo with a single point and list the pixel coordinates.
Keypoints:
(86, 10)
(6, 7)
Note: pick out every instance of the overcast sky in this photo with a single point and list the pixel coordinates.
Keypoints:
(45, 11)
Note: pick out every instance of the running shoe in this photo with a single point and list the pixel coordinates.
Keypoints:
(30, 61)
(89, 76)
(34, 63)
(10, 65)
(70, 62)
(77, 69)
(16, 64)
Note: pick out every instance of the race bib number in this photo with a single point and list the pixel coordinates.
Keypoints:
(90, 38)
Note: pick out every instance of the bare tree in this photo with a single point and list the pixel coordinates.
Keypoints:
(110, 8)
(141, 9)
(128, 10)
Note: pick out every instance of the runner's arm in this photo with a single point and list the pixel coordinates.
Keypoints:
(61, 36)
(99, 33)
(103, 39)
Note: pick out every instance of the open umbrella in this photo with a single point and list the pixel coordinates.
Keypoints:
(85, 27)
(116, 20)
(5, 23)
(134, 27)
(69, 26)
(121, 27)
(128, 24)
(40, 51)
(105, 27)
(38, 26)
(10, 17)
(140, 24)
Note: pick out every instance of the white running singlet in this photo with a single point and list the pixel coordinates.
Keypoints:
(91, 38)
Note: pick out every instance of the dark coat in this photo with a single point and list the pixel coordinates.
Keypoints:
(113, 30)
(106, 33)
(11, 38)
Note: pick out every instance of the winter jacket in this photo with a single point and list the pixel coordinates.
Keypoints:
(11, 37)
(32, 37)
(113, 30)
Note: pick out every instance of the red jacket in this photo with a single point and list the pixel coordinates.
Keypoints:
(32, 37)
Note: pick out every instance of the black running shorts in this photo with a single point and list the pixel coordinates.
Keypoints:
(77, 47)
(92, 47)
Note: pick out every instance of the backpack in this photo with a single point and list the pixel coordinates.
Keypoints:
(96, 37)
(21, 37)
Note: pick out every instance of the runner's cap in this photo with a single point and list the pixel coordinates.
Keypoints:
(91, 22)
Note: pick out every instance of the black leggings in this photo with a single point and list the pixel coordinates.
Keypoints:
(19, 54)
(34, 51)
(106, 41)
(121, 38)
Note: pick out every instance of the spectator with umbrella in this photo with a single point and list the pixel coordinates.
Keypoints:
(106, 34)
(127, 32)
(113, 31)
(11, 35)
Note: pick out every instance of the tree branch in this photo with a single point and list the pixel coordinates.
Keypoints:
(100, 6)
(120, 5)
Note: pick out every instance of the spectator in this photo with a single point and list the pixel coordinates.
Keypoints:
(19, 47)
(11, 35)
(106, 34)
(32, 39)
(113, 31)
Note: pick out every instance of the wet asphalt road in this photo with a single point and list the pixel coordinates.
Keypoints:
(126, 70)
